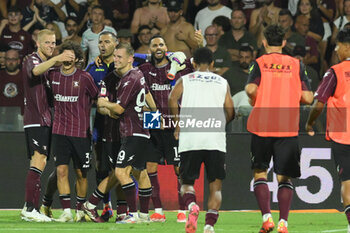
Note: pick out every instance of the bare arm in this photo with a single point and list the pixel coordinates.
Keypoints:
(150, 102)
(256, 20)
(316, 110)
(3, 24)
(135, 23)
(114, 108)
(174, 97)
(3, 8)
(75, 5)
(307, 97)
(251, 89)
(228, 106)
(43, 67)
(61, 15)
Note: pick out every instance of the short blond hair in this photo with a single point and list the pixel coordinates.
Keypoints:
(45, 32)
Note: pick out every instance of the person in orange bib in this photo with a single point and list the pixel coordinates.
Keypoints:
(276, 86)
(335, 91)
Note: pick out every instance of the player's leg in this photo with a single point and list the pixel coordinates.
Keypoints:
(153, 159)
(189, 171)
(102, 151)
(214, 162)
(122, 207)
(286, 165)
(38, 147)
(145, 191)
(51, 188)
(90, 207)
(81, 186)
(64, 193)
(181, 214)
(342, 163)
(261, 152)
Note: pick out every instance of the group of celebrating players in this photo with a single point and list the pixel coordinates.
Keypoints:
(127, 154)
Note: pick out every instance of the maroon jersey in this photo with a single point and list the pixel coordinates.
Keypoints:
(36, 104)
(73, 95)
(131, 96)
(11, 89)
(109, 89)
(159, 84)
(21, 41)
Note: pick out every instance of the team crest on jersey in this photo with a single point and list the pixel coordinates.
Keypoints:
(10, 90)
(22, 38)
(75, 83)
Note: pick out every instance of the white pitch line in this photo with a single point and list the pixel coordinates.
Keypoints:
(338, 230)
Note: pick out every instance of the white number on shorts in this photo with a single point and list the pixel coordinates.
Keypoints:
(177, 156)
(121, 155)
(87, 162)
(140, 100)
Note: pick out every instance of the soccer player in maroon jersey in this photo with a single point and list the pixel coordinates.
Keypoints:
(37, 117)
(132, 95)
(74, 91)
(155, 73)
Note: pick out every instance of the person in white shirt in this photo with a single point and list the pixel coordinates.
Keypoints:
(205, 16)
(206, 107)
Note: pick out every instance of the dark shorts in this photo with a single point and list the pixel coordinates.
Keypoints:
(38, 139)
(165, 147)
(109, 155)
(65, 147)
(133, 152)
(341, 153)
(285, 152)
(191, 162)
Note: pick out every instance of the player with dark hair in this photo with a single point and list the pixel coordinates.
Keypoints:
(37, 117)
(74, 91)
(132, 95)
(198, 90)
(334, 90)
(277, 84)
(155, 73)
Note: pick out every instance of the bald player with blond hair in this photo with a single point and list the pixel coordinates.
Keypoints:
(37, 117)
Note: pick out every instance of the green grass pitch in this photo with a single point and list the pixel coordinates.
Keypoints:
(247, 222)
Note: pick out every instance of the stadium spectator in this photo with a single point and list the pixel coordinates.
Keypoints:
(308, 8)
(246, 5)
(73, 91)
(178, 34)
(205, 16)
(237, 75)
(14, 35)
(143, 35)
(155, 73)
(285, 20)
(124, 36)
(37, 118)
(3, 49)
(132, 95)
(299, 52)
(327, 9)
(47, 12)
(53, 27)
(222, 24)
(71, 25)
(238, 36)
(11, 84)
(277, 133)
(118, 11)
(333, 91)
(90, 37)
(261, 17)
(222, 58)
(153, 14)
(196, 148)
(339, 23)
(312, 54)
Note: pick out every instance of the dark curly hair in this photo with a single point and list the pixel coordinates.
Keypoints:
(70, 45)
(274, 35)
